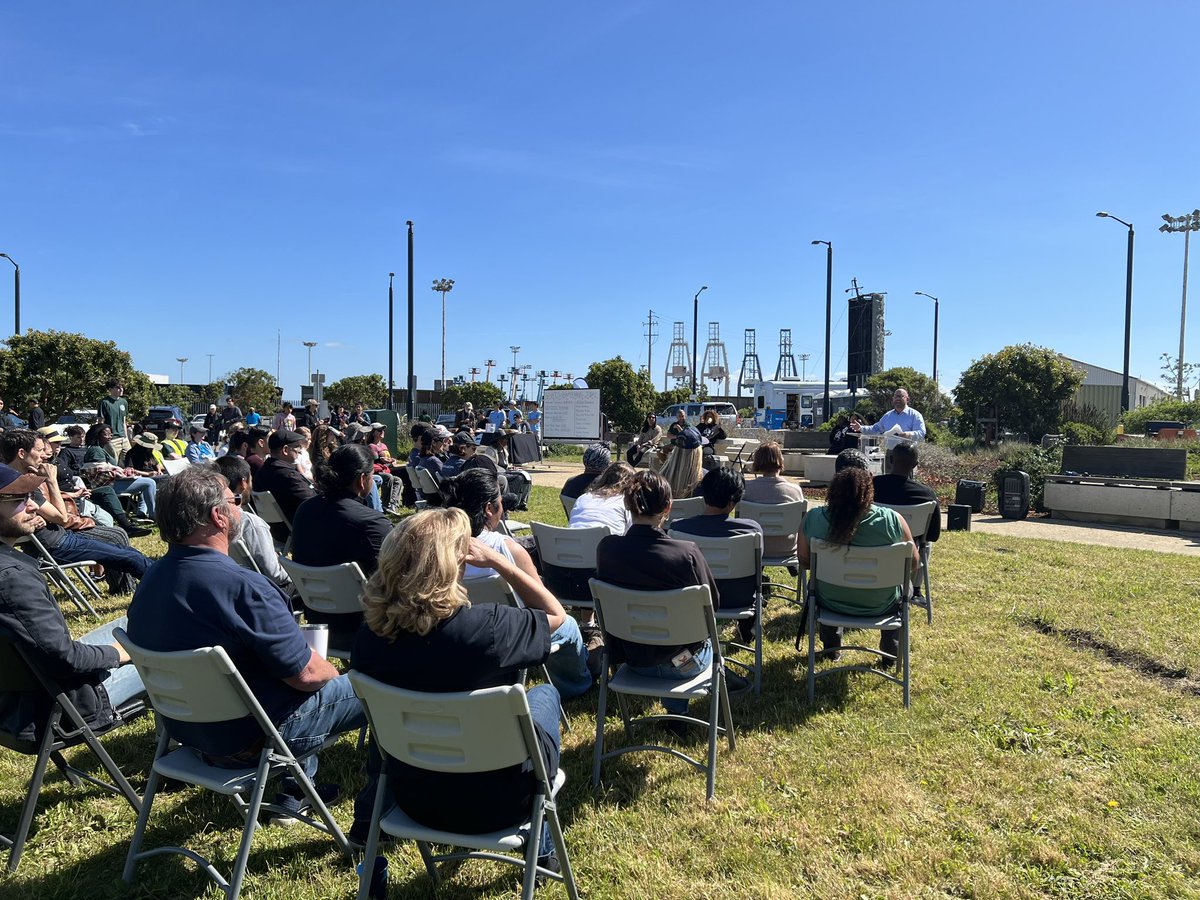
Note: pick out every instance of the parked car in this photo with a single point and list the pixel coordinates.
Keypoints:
(197, 419)
(447, 419)
(727, 413)
(159, 414)
(78, 417)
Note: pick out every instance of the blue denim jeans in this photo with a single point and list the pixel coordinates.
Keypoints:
(701, 659)
(375, 502)
(74, 548)
(334, 709)
(145, 488)
(123, 683)
(568, 664)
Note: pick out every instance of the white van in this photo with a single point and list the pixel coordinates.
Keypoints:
(727, 413)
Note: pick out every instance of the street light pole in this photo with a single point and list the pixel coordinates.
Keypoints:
(16, 293)
(828, 317)
(181, 360)
(391, 340)
(935, 329)
(1187, 224)
(696, 334)
(515, 371)
(1128, 307)
(411, 410)
(310, 345)
(443, 286)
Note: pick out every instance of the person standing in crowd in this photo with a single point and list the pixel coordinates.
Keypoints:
(284, 420)
(910, 422)
(308, 417)
(535, 420)
(37, 417)
(212, 423)
(231, 414)
(113, 411)
(252, 417)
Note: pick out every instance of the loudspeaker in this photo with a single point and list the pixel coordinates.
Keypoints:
(971, 493)
(864, 356)
(958, 517)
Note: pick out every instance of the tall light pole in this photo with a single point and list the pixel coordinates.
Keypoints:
(804, 358)
(489, 365)
(1187, 224)
(391, 340)
(696, 334)
(310, 345)
(515, 371)
(935, 328)
(828, 317)
(443, 286)
(16, 293)
(181, 360)
(1128, 308)
(411, 410)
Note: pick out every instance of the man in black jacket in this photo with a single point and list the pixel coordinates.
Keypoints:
(94, 671)
(901, 489)
(280, 476)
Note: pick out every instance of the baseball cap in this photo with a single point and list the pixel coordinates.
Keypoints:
(378, 426)
(13, 482)
(198, 429)
(463, 438)
(284, 439)
(441, 431)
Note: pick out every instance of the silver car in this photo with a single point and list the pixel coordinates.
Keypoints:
(726, 412)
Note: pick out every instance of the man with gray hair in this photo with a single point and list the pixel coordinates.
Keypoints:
(196, 596)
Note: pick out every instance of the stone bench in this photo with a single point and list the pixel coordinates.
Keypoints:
(1136, 486)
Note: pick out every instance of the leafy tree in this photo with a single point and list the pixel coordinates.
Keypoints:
(625, 395)
(67, 371)
(480, 394)
(251, 387)
(175, 395)
(369, 390)
(1026, 384)
(1166, 410)
(923, 394)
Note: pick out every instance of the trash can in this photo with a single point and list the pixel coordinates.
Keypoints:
(970, 493)
(1014, 494)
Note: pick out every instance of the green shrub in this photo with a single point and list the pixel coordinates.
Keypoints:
(1086, 414)
(1167, 410)
(1034, 460)
(1081, 433)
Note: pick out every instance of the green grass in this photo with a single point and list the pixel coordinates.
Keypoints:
(1030, 765)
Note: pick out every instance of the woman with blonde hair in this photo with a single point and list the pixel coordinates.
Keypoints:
(423, 634)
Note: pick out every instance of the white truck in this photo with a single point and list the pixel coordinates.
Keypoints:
(792, 403)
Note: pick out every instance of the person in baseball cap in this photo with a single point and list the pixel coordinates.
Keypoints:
(198, 449)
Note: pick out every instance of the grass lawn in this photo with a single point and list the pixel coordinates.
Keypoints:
(1051, 750)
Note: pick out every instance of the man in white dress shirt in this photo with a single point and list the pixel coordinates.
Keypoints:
(911, 422)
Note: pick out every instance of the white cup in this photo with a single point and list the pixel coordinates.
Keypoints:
(317, 638)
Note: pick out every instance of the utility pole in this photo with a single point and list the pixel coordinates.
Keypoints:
(489, 365)
(474, 370)
(804, 358)
(411, 410)
(210, 356)
(1187, 224)
(651, 336)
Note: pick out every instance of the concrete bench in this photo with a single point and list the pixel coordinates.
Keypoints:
(1136, 486)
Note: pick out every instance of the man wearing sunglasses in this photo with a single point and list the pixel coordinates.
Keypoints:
(92, 670)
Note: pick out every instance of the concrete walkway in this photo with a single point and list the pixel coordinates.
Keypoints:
(552, 473)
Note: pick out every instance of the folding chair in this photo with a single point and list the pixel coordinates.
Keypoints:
(57, 574)
(866, 568)
(662, 618)
(685, 508)
(779, 520)
(175, 466)
(568, 504)
(918, 517)
(330, 590)
(63, 728)
(204, 686)
(494, 589)
(742, 458)
(477, 731)
(240, 554)
(267, 506)
(739, 556)
(426, 483)
(573, 549)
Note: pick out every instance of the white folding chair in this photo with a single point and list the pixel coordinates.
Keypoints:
(918, 516)
(685, 508)
(477, 731)
(664, 619)
(268, 508)
(494, 589)
(204, 686)
(866, 568)
(739, 556)
(573, 549)
(240, 554)
(63, 727)
(175, 466)
(779, 520)
(426, 483)
(329, 590)
(59, 574)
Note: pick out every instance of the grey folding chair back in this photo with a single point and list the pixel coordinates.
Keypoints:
(685, 507)
(779, 520)
(568, 504)
(63, 728)
(918, 516)
(864, 568)
(476, 731)
(569, 548)
(329, 590)
(667, 619)
(204, 686)
(240, 554)
(59, 574)
(739, 556)
(426, 483)
(268, 508)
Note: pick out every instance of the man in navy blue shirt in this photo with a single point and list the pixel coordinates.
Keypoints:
(196, 596)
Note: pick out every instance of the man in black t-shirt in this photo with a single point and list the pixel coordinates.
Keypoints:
(901, 489)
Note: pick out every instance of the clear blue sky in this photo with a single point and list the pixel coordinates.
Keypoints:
(189, 178)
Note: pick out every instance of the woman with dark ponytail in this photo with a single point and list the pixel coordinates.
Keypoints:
(850, 517)
(646, 559)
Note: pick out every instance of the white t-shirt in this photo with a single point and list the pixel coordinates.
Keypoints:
(497, 542)
(592, 509)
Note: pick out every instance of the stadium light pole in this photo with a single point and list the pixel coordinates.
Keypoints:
(310, 345)
(411, 406)
(181, 360)
(935, 328)
(1187, 224)
(443, 286)
(696, 334)
(391, 339)
(16, 293)
(1128, 307)
(515, 371)
(828, 317)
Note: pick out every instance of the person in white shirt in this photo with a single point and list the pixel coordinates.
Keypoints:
(604, 501)
(911, 422)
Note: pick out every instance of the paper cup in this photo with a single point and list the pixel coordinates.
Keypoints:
(317, 638)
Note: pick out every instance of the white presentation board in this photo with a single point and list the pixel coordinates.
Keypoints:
(571, 415)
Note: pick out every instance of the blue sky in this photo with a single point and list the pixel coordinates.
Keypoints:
(192, 178)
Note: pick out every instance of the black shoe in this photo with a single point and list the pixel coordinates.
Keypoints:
(301, 806)
(833, 655)
(135, 531)
(679, 729)
(549, 862)
(357, 835)
(735, 683)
